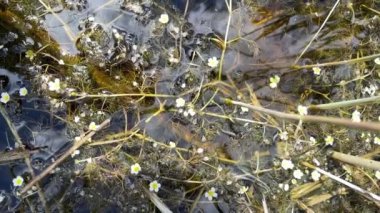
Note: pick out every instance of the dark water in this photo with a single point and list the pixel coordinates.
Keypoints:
(270, 39)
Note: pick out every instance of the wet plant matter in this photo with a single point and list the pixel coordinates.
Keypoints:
(189, 106)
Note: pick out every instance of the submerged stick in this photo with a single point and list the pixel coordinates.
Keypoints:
(157, 201)
(64, 156)
(365, 193)
(229, 7)
(334, 63)
(348, 103)
(79, 97)
(374, 126)
(355, 160)
(15, 154)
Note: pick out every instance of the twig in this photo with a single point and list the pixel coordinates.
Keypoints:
(348, 103)
(365, 193)
(63, 157)
(229, 7)
(180, 32)
(334, 63)
(373, 10)
(196, 201)
(355, 160)
(157, 201)
(39, 189)
(310, 118)
(15, 154)
(120, 95)
(265, 206)
(317, 33)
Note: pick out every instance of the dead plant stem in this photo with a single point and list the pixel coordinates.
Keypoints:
(374, 126)
(355, 160)
(334, 63)
(348, 103)
(229, 6)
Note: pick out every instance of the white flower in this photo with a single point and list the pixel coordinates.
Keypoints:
(135, 168)
(377, 175)
(23, 91)
(244, 110)
(329, 140)
(154, 186)
(76, 119)
(18, 181)
(243, 189)
(173, 59)
(164, 18)
(315, 175)
(317, 70)
(284, 187)
(273, 81)
(212, 62)
(180, 102)
(92, 126)
(287, 164)
(100, 112)
(312, 140)
(117, 35)
(302, 110)
(55, 85)
(4, 97)
(377, 60)
(200, 150)
(61, 62)
(376, 140)
(210, 194)
(284, 135)
(135, 84)
(172, 144)
(356, 116)
(191, 112)
(298, 174)
(76, 152)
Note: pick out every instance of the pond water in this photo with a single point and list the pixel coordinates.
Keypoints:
(103, 47)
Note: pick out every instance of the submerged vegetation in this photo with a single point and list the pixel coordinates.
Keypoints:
(190, 106)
